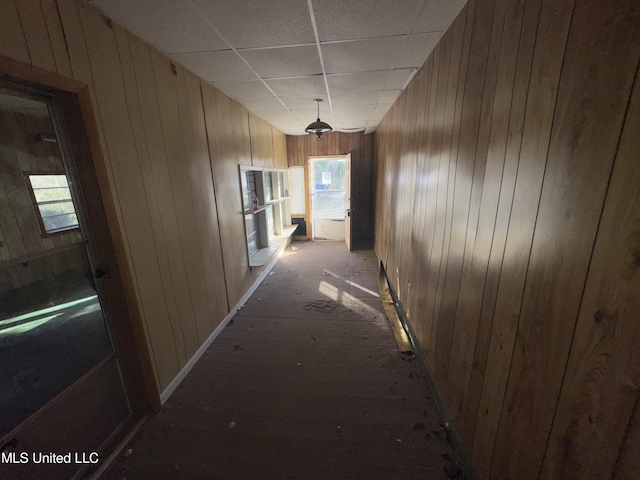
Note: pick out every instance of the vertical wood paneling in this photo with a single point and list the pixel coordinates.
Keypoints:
(187, 272)
(583, 144)
(507, 26)
(209, 235)
(599, 391)
(56, 37)
(142, 108)
(545, 74)
(13, 42)
(36, 35)
(279, 149)
(229, 143)
(261, 142)
(499, 234)
(507, 225)
(628, 465)
(111, 104)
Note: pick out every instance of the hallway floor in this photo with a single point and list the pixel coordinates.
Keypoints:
(304, 383)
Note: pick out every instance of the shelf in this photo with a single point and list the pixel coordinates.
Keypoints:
(262, 256)
(260, 209)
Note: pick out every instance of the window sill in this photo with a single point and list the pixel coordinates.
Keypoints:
(262, 256)
(258, 210)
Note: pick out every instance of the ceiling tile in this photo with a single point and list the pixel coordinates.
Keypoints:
(341, 109)
(438, 15)
(299, 86)
(365, 55)
(256, 23)
(416, 49)
(304, 102)
(262, 104)
(353, 119)
(399, 78)
(357, 82)
(219, 66)
(284, 61)
(389, 96)
(308, 116)
(340, 20)
(382, 107)
(241, 90)
(170, 25)
(357, 98)
(369, 129)
(288, 130)
(276, 115)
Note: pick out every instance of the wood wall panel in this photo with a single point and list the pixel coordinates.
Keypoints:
(599, 391)
(505, 282)
(127, 178)
(204, 198)
(300, 148)
(261, 142)
(13, 43)
(36, 35)
(171, 162)
(279, 149)
(224, 144)
(583, 144)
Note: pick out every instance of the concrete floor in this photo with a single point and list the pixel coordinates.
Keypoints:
(305, 383)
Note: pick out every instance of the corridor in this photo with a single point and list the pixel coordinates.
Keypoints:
(306, 382)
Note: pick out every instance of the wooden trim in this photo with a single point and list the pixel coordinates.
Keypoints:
(146, 391)
(13, 69)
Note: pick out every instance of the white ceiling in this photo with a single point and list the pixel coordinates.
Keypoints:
(276, 56)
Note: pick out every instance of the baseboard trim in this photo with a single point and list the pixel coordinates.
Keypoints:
(164, 396)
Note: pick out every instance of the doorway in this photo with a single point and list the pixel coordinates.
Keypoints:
(330, 192)
(60, 372)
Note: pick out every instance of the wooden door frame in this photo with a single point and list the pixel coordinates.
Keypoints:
(74, 103)
(307, 188)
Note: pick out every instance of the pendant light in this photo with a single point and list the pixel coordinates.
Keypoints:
(318, 127)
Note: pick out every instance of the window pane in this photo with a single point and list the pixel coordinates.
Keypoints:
(48, 181)
(49, 194)
(60, 222)
(57, 208)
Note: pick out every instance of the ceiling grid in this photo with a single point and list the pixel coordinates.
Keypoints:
(275, 57)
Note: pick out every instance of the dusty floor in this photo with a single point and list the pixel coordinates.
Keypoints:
(305, 383)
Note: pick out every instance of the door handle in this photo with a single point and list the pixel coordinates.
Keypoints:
(100, 272)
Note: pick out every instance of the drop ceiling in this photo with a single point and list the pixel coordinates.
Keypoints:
(275, 56)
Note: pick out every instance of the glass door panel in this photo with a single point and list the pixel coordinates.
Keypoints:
(52, 327)
(328, 197)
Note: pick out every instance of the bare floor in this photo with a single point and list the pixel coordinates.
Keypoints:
(305, 383)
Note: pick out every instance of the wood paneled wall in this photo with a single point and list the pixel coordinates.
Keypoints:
(507, 219)
(171, 145)
(300, 148)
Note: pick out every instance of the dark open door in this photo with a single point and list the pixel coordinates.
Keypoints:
(60, 372)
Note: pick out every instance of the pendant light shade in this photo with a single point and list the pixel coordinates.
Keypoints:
(318, 127)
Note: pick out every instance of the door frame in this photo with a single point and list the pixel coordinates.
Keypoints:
(73, 106)
(307, 166)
